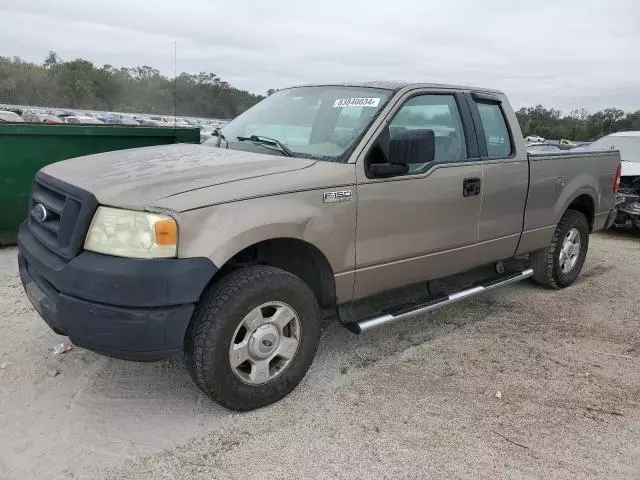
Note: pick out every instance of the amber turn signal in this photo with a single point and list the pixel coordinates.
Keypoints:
(166, 232)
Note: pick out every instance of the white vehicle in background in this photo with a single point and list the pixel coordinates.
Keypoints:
(147, 122)
(629, 193)
(543, 148)
(179, 122)
(82, 119)
(534, 139)
(7, 116)
(206, 132)
(128, 120)
(162, 121)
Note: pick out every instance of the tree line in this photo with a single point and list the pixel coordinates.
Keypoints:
(578, 125)
(81, 84)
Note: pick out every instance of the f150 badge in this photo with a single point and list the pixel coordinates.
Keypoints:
(339, 196)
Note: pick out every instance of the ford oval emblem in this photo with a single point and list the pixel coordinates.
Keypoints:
(39, 213)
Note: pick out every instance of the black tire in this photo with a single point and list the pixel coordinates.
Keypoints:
(546, 262)
(219, 312)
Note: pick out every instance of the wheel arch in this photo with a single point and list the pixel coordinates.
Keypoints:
(585, 204)
(294, 255)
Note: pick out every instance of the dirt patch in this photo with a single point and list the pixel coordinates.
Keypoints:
(596, 271)
(414, 400)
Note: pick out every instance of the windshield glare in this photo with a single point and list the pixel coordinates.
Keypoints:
(322, 123)
(629, 146)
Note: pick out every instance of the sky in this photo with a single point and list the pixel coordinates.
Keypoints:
(566, 54)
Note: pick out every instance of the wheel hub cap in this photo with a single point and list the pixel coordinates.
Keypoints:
(570, 251)
(264, 341)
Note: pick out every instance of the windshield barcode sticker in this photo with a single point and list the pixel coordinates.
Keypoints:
(356, 102)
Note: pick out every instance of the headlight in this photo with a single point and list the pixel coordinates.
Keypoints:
(126, 233)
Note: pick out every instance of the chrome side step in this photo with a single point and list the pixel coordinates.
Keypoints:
(435, 303)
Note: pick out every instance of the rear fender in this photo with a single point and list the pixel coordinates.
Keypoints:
(581, 184)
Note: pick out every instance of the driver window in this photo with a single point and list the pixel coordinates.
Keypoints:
(440, 114)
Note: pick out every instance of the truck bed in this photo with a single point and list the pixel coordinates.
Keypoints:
(558, 179)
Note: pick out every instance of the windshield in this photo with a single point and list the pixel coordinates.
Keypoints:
(629, 146)
(322, 123)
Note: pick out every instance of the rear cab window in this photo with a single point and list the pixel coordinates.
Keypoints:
(496, 131)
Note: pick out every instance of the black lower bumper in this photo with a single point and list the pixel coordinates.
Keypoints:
(125, 308)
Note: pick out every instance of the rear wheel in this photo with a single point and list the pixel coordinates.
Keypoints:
(559, 264)
(253, 337)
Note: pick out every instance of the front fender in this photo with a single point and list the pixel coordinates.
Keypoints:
(220, 231)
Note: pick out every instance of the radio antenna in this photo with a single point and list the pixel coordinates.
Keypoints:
(175, 83)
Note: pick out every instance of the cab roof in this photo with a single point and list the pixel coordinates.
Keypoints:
(397, 85)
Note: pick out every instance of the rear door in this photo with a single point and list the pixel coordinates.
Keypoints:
(505, 175)
(423, 224)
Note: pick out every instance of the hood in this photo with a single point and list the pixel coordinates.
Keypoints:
(630, 169)
(139, 177)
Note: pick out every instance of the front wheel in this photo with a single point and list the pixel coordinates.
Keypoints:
(253, 337)
(559, 264)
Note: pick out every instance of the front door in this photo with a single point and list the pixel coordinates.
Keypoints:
(424, 224)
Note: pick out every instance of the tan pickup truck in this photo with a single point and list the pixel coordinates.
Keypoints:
(321, 198)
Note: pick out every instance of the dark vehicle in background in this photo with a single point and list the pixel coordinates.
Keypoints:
(628, 143)
(60, 113)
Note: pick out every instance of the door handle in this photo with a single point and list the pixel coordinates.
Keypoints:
(471, 187)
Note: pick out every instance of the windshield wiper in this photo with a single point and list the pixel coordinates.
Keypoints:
(267, 141)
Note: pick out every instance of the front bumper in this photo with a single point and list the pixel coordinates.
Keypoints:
(126, 308)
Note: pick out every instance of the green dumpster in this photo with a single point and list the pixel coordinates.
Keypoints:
(26, 148)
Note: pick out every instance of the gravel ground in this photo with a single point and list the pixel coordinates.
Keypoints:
(416, 400)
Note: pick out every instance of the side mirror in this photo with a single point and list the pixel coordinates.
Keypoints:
(412, 146)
